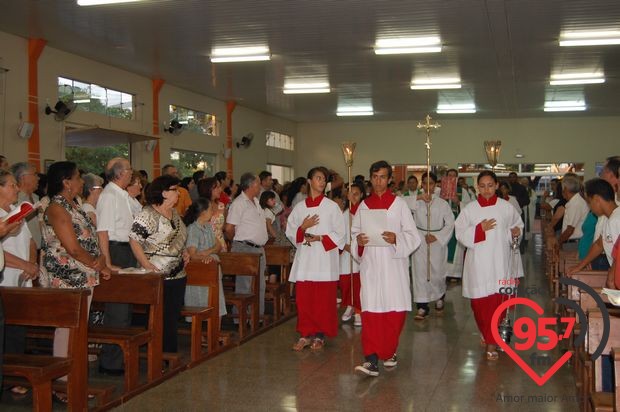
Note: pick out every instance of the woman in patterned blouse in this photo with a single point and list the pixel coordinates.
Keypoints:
(70, 252)
(157, 239)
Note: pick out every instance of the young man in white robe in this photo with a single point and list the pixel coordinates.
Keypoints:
(316, 228)
(349, 267)
(385, 290)
(436, 238)
(487, 228)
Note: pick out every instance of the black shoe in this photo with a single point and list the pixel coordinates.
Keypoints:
(368, 368)
(111, 372)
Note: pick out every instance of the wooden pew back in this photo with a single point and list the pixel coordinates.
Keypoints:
(205, 274)
(240, 264)
(595, 334)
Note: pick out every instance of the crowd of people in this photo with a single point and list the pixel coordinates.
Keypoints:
(87, 226)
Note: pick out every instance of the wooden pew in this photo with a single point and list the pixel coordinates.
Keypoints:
(64, 308)
(243, 264)
(601, 401)
(278, 255)
(593, 278)
(615, 356)
(203, 274)
(145, 289)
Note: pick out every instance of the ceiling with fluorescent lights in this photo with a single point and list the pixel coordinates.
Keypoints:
(504, 51)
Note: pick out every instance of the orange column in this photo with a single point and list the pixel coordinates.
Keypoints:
(156, 85)
(35, 48)
(230, 108)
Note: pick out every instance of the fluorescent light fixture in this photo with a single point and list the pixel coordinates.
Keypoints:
(240, 54)
(456, 108)
(590, 38)
(431, 44)
(565, 106)
(355, 111)
(576, 78)
(102, 2)
(436, 83)
(299, 88)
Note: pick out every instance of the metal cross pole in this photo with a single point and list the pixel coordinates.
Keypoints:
(428, 126)
(348, 150)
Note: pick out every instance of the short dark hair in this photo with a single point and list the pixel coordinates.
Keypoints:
(58, 172)
(381, 164)
(600, 187)
(319, 169)
(264, 175)
(412, 177)
(154, 193)
(431, 174)
(220, 176)
(205, 187)
(144, 174)
(489, 173)
(612, 164)
(513, 174)
(505, 184)
(196, 208)
(452, 170)
(164, 169)
(359, 178)
(264, 197)
(199, 174)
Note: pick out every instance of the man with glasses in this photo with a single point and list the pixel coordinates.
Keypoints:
(114, 220)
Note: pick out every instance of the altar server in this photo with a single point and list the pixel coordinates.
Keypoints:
(385, 290)
(316, 227)
(487, 228)
(350, 276)
(437, 238)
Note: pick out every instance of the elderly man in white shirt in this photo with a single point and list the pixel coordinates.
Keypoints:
(114, 220)
(247, 228)
(576, 210)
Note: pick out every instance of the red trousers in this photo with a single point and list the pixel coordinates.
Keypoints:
(381, 332)
(345, 290)
(316, 308)
(483, 309)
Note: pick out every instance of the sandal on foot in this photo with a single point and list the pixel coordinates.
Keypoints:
(317, 344)
(18, 390)
(492, 356)
(301, 344)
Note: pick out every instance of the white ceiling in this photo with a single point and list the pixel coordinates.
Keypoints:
(503, 50)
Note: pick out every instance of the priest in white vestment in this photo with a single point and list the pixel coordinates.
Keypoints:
(316, 227)
(385, 290)
(436, 237)
(487, 228)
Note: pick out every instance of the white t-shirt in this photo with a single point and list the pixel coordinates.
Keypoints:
(249, 220)
(610, 233)
(575, 213)
(18, 245)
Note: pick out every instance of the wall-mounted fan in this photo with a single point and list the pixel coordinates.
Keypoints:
(245, 141)
(61, 110)
(175, 128)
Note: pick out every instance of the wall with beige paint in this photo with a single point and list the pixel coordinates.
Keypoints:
(558, 138)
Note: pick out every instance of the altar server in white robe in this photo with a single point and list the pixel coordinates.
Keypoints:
(316, 227)
(385, 291)
(350, 275)
(441, 228)
(487, 228)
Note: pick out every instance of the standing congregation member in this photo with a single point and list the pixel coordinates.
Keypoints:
(28, 181)
(575, 213)
(71, 257)
(353, 306)
(316, 227)
(93, 186)
(184, 198)
(437, 238)
(246, 227)
(487, 228)
(157, 239)
(211, 189)
(385, 290)
(114, 220)
(411, 194)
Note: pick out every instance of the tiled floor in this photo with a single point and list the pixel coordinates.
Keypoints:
(441, 368)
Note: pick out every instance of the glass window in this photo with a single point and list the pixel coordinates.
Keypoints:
(282, 173)
(95, 159)
(95, 98)
(188, 162)
(280, 140)
(198, 122)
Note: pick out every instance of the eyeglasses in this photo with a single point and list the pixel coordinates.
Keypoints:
(96, 187)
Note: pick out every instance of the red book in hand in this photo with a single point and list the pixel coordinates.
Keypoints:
(21, 211)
